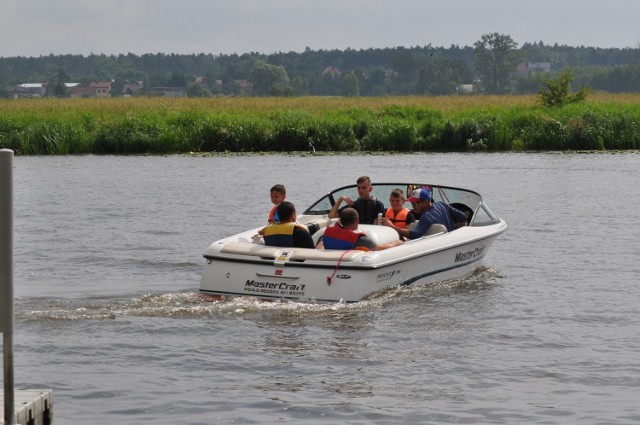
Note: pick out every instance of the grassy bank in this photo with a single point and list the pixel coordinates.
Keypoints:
(405, 124)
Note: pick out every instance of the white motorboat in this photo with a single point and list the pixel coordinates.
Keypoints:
(242, 265)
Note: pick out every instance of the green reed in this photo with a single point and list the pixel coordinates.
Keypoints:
(132, 126)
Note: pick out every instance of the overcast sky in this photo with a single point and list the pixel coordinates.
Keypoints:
(41, 27)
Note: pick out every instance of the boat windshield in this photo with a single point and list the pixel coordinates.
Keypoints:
(450, 195)
(465, 200)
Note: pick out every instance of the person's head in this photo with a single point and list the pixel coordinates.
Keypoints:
(349, 218)
(278, 193)
(396, 199)
(420, 199)
(364, 187)
(286, 212)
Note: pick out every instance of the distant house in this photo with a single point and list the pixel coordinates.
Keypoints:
(79, 91)
(465, 88)
(540, 67)
(131, 89)
(332, 70)
(244, 84)
(75, 90)
(526, 68)
(27, 90)
(390, 74)
(202, 81)
(93, 90)
(102, 89)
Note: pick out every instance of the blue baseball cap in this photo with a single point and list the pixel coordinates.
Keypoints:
(420, 195)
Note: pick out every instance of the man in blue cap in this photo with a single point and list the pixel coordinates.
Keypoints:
(431, 213)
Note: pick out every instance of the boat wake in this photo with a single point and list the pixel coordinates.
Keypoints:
(185, 305)
(481, 278)
(193, 305)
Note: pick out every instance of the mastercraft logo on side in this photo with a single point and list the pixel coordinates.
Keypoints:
(464, 256)
(273, 288)
(387, 275)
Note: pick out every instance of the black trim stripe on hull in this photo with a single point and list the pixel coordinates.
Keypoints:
(446, 269)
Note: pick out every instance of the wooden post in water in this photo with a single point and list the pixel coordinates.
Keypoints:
(6, 279)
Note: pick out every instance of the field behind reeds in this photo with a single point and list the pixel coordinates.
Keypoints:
(394, 124)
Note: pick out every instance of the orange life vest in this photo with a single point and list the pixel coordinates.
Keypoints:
(273, 213)
(399, 219)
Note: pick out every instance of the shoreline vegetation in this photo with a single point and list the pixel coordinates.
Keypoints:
(604, 122)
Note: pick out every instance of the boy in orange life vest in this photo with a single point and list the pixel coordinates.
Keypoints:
(278, 194)
(397, 214)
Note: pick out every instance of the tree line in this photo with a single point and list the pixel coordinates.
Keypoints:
(495, 64)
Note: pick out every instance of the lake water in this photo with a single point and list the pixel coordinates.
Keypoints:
(108, 257)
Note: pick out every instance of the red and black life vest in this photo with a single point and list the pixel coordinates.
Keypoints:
(337, 237)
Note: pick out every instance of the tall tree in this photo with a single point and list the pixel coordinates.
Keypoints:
(300, 85)
(436, 78)
(496, 60)
(57, 86)
(404, 62)
(178, 79)
(266, 77)
(374, 84)
(350, 85)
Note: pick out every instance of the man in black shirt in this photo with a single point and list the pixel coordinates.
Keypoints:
(368, 207)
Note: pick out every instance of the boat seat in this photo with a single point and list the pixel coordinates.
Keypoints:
(436, 229)
(313, 224)
(317, 235)
(380, 234)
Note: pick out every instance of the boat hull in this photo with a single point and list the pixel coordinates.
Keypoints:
(238, 268)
